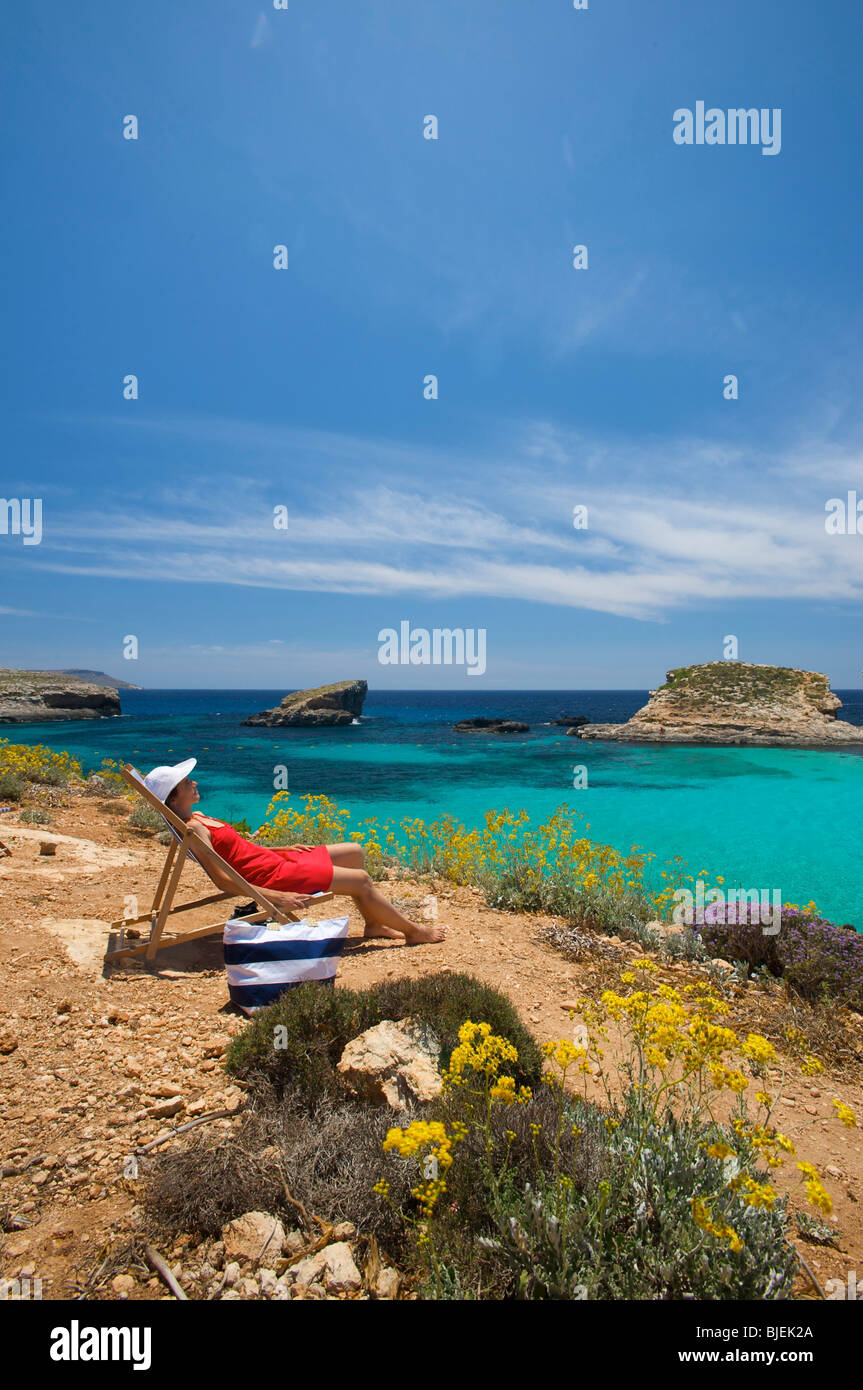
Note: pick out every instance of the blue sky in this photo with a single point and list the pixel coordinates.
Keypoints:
(304, 388)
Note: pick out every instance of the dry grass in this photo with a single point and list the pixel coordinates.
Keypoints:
(282, 1156)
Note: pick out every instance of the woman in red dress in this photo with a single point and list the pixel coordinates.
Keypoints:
(290, 874)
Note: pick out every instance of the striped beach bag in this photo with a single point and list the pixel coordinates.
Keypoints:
(262, 959)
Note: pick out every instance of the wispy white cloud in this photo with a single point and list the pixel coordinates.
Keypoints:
(672, 524)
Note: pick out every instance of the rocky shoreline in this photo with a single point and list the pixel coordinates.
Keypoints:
(491, 726)
(28, 697)
(729, 703)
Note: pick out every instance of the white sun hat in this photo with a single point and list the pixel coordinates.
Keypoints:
(162, 780)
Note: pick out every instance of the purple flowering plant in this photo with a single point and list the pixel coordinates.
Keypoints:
(818, 959)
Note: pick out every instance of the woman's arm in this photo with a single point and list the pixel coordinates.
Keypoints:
(285, 902)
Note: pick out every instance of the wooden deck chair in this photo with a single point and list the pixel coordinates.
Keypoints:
(163, 900)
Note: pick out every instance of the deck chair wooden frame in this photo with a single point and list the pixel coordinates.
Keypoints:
(163, 907)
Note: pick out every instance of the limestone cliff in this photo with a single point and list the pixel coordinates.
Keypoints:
(28, 697)
(734, 702)
(326, 705)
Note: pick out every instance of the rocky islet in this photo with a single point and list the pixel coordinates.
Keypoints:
(327, 706)
(736, 702)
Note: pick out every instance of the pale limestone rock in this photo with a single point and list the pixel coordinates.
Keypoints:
(310, 1269)
(26, 696)
(386, 1284)
(340, 1274)
(736, 702)
(164, 1109)
(333, 1267)
(325, 705)
(254, 1236)
(394, 1064)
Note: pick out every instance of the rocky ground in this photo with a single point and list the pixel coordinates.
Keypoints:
(94, 1065)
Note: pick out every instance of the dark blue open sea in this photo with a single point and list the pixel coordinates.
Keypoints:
(762, 817)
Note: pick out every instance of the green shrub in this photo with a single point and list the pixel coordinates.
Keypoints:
(529, 1196)
(558, 1198)
(106, 781)
(37, 763)
(534, 1193)
(614, 911)
(143, 817)
(35, 818)
(631, 1235)
(548, 868)
(52, 774)
(12, 786)
(522, 1142)
(320, 1022)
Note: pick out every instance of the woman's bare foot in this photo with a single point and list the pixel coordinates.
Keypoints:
(415, 936)
(427, 934)
(375, 929)
(381, 918)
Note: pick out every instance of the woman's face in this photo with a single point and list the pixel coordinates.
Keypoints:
(183, 797)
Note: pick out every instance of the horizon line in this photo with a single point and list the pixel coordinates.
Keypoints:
(433, 690)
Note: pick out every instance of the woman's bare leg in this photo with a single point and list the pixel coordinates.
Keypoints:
(347, 856)
(350, 856)
(377, 913)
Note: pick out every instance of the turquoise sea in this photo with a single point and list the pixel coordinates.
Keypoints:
(764, 818)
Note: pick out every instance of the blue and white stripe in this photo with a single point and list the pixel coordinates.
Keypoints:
(264, 959)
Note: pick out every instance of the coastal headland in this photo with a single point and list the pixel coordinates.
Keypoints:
(38, 696)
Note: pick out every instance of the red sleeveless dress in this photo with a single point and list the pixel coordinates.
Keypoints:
(286, 870)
